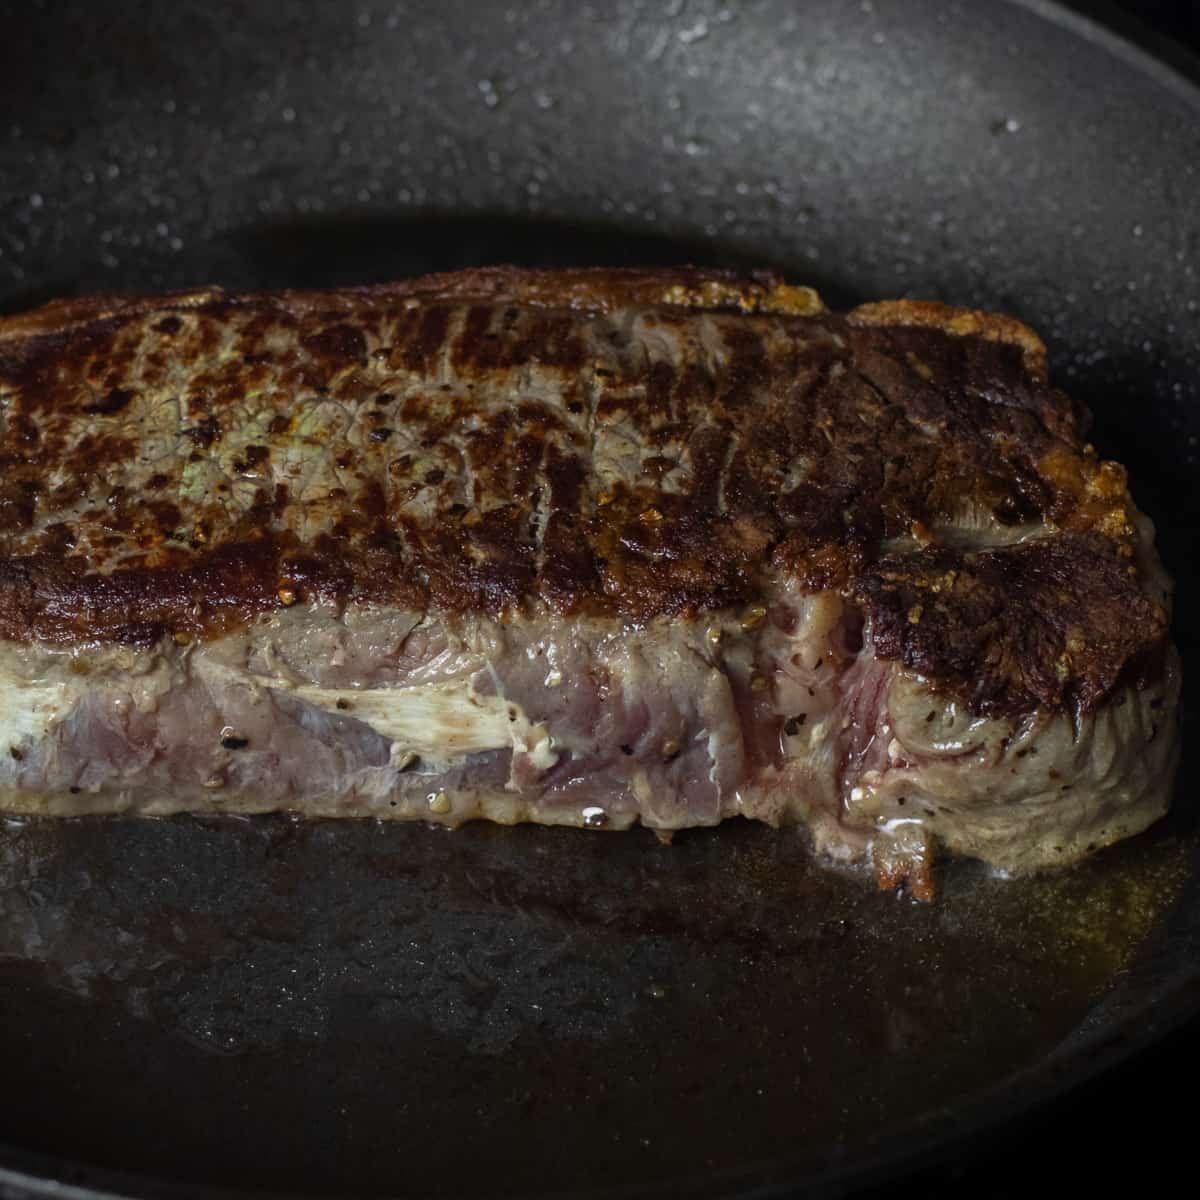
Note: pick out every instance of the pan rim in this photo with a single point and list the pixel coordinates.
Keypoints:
(1169, 64)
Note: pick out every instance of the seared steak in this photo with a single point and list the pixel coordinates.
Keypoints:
(588, 547)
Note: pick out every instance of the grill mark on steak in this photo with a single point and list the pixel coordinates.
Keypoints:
(801, 440)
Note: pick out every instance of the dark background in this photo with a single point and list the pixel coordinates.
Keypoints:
(1177, 19)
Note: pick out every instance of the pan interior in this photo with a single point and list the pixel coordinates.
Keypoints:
(324, 1007)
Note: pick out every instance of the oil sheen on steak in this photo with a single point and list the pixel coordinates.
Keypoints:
(584, 548)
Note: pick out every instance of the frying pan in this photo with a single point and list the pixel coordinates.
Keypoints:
(203, 1007)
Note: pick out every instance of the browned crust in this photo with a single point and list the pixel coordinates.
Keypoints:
(1047, 624)
(960, 322)
(583, 289)
(797, 448)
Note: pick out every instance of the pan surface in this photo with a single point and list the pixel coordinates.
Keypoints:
(248, 1006)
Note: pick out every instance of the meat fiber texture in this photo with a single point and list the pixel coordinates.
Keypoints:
(587, 548)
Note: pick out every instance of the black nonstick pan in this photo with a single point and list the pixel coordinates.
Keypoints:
(203, 1008)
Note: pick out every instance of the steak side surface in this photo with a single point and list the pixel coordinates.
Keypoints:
(587, 547)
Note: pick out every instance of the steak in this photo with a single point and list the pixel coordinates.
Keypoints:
(587, 548)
